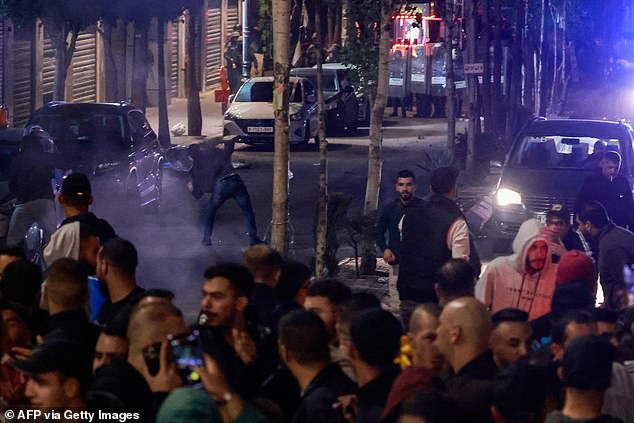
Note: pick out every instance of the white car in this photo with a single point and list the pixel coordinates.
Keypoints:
(250, 117)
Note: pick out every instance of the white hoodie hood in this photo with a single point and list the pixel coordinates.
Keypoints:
(505, 282)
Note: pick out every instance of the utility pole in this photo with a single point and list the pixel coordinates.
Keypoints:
(246, 32)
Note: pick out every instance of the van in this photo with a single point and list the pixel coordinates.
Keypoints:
(547, 164)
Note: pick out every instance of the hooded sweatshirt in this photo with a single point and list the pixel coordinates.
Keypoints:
(506, 283)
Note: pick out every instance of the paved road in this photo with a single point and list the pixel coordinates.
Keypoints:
(171, 255)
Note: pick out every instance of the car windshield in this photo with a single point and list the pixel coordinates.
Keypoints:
(77, 127)
(557, 151)
(259, 92)
(329, 80)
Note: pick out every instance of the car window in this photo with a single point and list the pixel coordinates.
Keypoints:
(260, 92)
(329, 81)
(556, 151)
(296, 94)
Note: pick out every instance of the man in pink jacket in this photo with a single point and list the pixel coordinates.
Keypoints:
(523, 280)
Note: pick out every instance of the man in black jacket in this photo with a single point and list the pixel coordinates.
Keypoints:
(616, 251)
(433, 232)
(610, 189)
(389, 219)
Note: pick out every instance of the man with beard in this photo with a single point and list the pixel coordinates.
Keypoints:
(116, 265)
(389, 218)
(524, 280)
(610, 189)
(243, 350)
(433, 233)
(616, 251)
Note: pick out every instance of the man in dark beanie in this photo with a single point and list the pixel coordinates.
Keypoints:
(586, 372)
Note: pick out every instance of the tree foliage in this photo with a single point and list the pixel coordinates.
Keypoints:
(362, 42)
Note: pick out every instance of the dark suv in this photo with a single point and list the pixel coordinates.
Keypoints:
(112, 143)
(547, 164)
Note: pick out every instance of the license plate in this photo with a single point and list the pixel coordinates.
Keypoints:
(260, 129)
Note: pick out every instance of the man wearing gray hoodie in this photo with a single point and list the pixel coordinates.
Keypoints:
(523, 280)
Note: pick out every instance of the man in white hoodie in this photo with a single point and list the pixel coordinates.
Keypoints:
(523, 280)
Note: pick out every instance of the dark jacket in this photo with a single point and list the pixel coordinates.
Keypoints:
(373, 395)
(102, 228)
(389, 218)
(321, 394)
(424, 247)
(615, 195)
(616, 249)
(210, 164)
(74, 325)
(30, 176)
(472, 387)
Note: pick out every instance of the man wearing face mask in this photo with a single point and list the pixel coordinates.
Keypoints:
(611, 189)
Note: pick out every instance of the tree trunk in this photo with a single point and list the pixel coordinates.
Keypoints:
(371, 203)
(498, 108)
(164, 126)
(63, 59)
(279, 215)
(528, 84)
(194, 114)
(472, 86)
(322, 202)
(110, 66)
(338, 23)
(297, 12)
(451, 87)
(487, 100)
(515, 89)
(540, 60)
(140, 69)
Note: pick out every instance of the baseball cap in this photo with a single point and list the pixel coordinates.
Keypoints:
(59, 354)
(76, 185)
(575, 265)
(559, 210)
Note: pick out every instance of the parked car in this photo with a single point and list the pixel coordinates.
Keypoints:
(548, 164)
(342, 107)
(112, 143)
(250, 117)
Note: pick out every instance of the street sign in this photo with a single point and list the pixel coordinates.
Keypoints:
(221, 96)
(474, 68)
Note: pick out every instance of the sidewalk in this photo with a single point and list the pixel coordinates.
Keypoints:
(177, 113)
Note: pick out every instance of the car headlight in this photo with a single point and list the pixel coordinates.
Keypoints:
(229, 116)
(506, 197)
(297, 116)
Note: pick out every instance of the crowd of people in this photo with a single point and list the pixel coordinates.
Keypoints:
(523, 342)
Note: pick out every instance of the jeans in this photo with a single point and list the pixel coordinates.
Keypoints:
(24, 215)
(230, 187)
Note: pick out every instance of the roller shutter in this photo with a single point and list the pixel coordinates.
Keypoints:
(232, 15)
(22, 84)
(85, 68)
(48, 70)
(173, 57)
(213, 47)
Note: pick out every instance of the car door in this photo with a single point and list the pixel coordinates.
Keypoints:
(145, 157)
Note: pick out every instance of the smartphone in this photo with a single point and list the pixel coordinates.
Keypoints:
(188, 354)
(152, 357)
